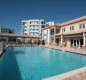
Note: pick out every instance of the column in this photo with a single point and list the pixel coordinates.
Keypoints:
(84, 39)
(54, 35)
(48, 36)
(79, 43)
(76, 42)
(61, 39)
(54, 39)
(73, 43)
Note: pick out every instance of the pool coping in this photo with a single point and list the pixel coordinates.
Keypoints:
(67, 74)
(2, 52)
(64, 50)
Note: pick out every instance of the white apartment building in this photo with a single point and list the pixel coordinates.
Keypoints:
(50, 24)
(68, 34)
(32, 27)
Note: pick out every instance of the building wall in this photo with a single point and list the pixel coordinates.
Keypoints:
(76, 27)
(6, 31)
(46, 35)
(32, 27)
(50, 24)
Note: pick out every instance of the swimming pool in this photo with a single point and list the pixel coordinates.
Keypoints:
(36, 63)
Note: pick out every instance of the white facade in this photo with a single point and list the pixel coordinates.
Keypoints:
(32, 27)
(50, 24)
(46, 32)
(46, 35)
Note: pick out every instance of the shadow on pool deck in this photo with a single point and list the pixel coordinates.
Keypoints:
(9, 69)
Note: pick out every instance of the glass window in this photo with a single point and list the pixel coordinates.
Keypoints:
(80, 26)
(24, 23)
(25, 29)
(63, 29)
(57, 30)
(42, 22)
(72, 27)
(37, 22)
(52, 32)
(43, 26)
(83, 25)
(30, 22)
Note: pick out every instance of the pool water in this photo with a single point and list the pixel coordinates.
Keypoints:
(36, 63)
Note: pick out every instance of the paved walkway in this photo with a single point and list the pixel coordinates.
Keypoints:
(80, 76)
(75, 50)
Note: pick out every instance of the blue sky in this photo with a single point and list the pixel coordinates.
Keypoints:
(12, 12)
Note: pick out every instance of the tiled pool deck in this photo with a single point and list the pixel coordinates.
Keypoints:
(74, 50)
(79, 74)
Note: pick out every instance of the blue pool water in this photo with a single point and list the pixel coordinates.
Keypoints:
(36, 63)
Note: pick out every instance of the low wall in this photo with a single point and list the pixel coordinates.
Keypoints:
(2, 46)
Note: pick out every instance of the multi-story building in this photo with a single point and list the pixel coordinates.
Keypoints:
(32, 27)
(50, 24)
(69, 34)
(6, 31)
(46, 32)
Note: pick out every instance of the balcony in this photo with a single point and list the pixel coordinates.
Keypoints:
(33, 27)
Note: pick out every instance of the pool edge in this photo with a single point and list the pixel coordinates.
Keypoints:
(67, 74)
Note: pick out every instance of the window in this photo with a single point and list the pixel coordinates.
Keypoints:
(71, 28)
(24, 23)
(30, 22)
(37, 22)
(52, 32)
(81, 26)
(25, 33)
(36, 26)
(47, 25)
(33, 26)
(25, 30)
(25, 26)
(57, 30)
(63, 29)
(43, 26)
(42, 22)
